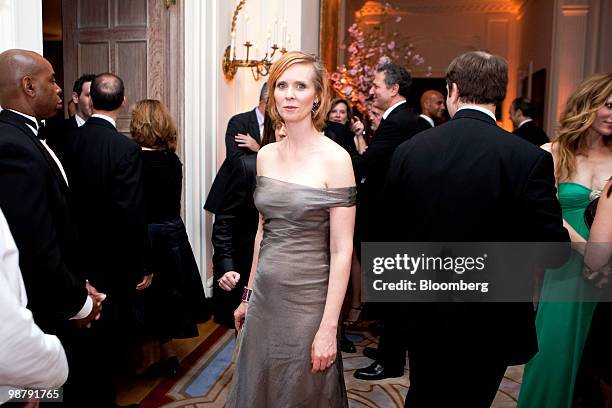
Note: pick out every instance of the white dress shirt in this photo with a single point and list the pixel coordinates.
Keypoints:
(28, 357)
(260, 121)
(479, 109)
(106, 118)
(525, 121)
(388, 111)
(79, 120)
(428, 119)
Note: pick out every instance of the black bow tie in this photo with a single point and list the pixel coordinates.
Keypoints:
(39, 125)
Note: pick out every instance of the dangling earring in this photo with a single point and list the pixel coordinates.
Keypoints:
(315, 107)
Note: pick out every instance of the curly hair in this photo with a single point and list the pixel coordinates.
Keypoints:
(319, 79)
(579, 114)
(152, 125)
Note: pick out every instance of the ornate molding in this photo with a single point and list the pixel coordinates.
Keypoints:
(376, 8)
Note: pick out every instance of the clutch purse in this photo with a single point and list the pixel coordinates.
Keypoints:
(237, 345)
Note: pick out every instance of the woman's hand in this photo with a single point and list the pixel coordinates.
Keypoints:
(357, 126)
(240, 315)
(229, 280)
(324, 349)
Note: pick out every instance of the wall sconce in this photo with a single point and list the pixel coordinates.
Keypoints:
(258, 67)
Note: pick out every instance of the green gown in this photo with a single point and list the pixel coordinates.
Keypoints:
(562, 327)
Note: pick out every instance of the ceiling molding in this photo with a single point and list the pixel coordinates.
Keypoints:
(373, 8)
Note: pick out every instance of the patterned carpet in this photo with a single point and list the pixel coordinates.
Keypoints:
(207, 373)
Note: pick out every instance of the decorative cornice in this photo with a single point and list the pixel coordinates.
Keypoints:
(376, 8)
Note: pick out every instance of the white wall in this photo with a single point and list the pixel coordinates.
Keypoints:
(210, 99)
(21, 25)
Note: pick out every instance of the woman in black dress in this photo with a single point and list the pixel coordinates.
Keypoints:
(175, 302)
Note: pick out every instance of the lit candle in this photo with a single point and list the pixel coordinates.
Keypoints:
(268, 49)
(288, 42)
(275, 31)
(233, 46)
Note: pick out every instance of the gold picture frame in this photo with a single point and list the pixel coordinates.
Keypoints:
(328, 33)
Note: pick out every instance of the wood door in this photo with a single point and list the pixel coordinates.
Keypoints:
(129, 38)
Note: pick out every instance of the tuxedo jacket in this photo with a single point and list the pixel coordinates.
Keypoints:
(532, 134)
(244, 123)
(107, 182)
(468, 180)
(233, 235)
(58, 134)
(423, 123)
(34, 199)
(400, 125)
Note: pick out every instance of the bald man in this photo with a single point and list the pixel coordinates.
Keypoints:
(33, 190)
(33, 197)
(432, 108)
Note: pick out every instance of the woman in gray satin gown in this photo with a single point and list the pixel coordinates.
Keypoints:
(289, 354)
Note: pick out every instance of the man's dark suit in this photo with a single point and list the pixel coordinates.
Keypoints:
(106, 177)
(244, 123)
(400, 125)
(58, 134)
(531, 133)
(233, 236)
(468, 181)
(424, 124)
(33, 196)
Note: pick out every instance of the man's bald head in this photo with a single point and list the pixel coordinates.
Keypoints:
(27, 84)
(107, 92)
(432, 104)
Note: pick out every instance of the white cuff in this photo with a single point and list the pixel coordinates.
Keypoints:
(85, 310)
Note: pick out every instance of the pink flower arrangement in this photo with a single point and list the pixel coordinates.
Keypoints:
(366, 52)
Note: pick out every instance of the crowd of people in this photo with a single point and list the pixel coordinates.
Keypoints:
(104, 264)
(92, 242)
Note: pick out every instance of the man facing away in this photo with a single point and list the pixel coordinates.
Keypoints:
(521, 114)
(432, 108)
(469, 181)
(107, 183)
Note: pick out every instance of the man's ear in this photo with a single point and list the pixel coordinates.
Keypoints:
(453, 92)
(124, 103)
(395, 89)
(27, 83)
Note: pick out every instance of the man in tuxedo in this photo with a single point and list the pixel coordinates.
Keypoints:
(33, 196)
(59, 132)
(398, 124)
(432, 107)
(469, 181)
(107, 183)
(242, 137)
(521, 113)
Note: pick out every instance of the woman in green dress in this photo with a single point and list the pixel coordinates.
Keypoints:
(582, 152)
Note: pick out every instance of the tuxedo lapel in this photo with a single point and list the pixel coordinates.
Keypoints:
(15, 120)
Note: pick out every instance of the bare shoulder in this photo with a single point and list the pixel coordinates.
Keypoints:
(338, 165)
(264, 156)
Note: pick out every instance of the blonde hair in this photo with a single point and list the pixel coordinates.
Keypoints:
(579, 114)
(321, 84)
(152, 125)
